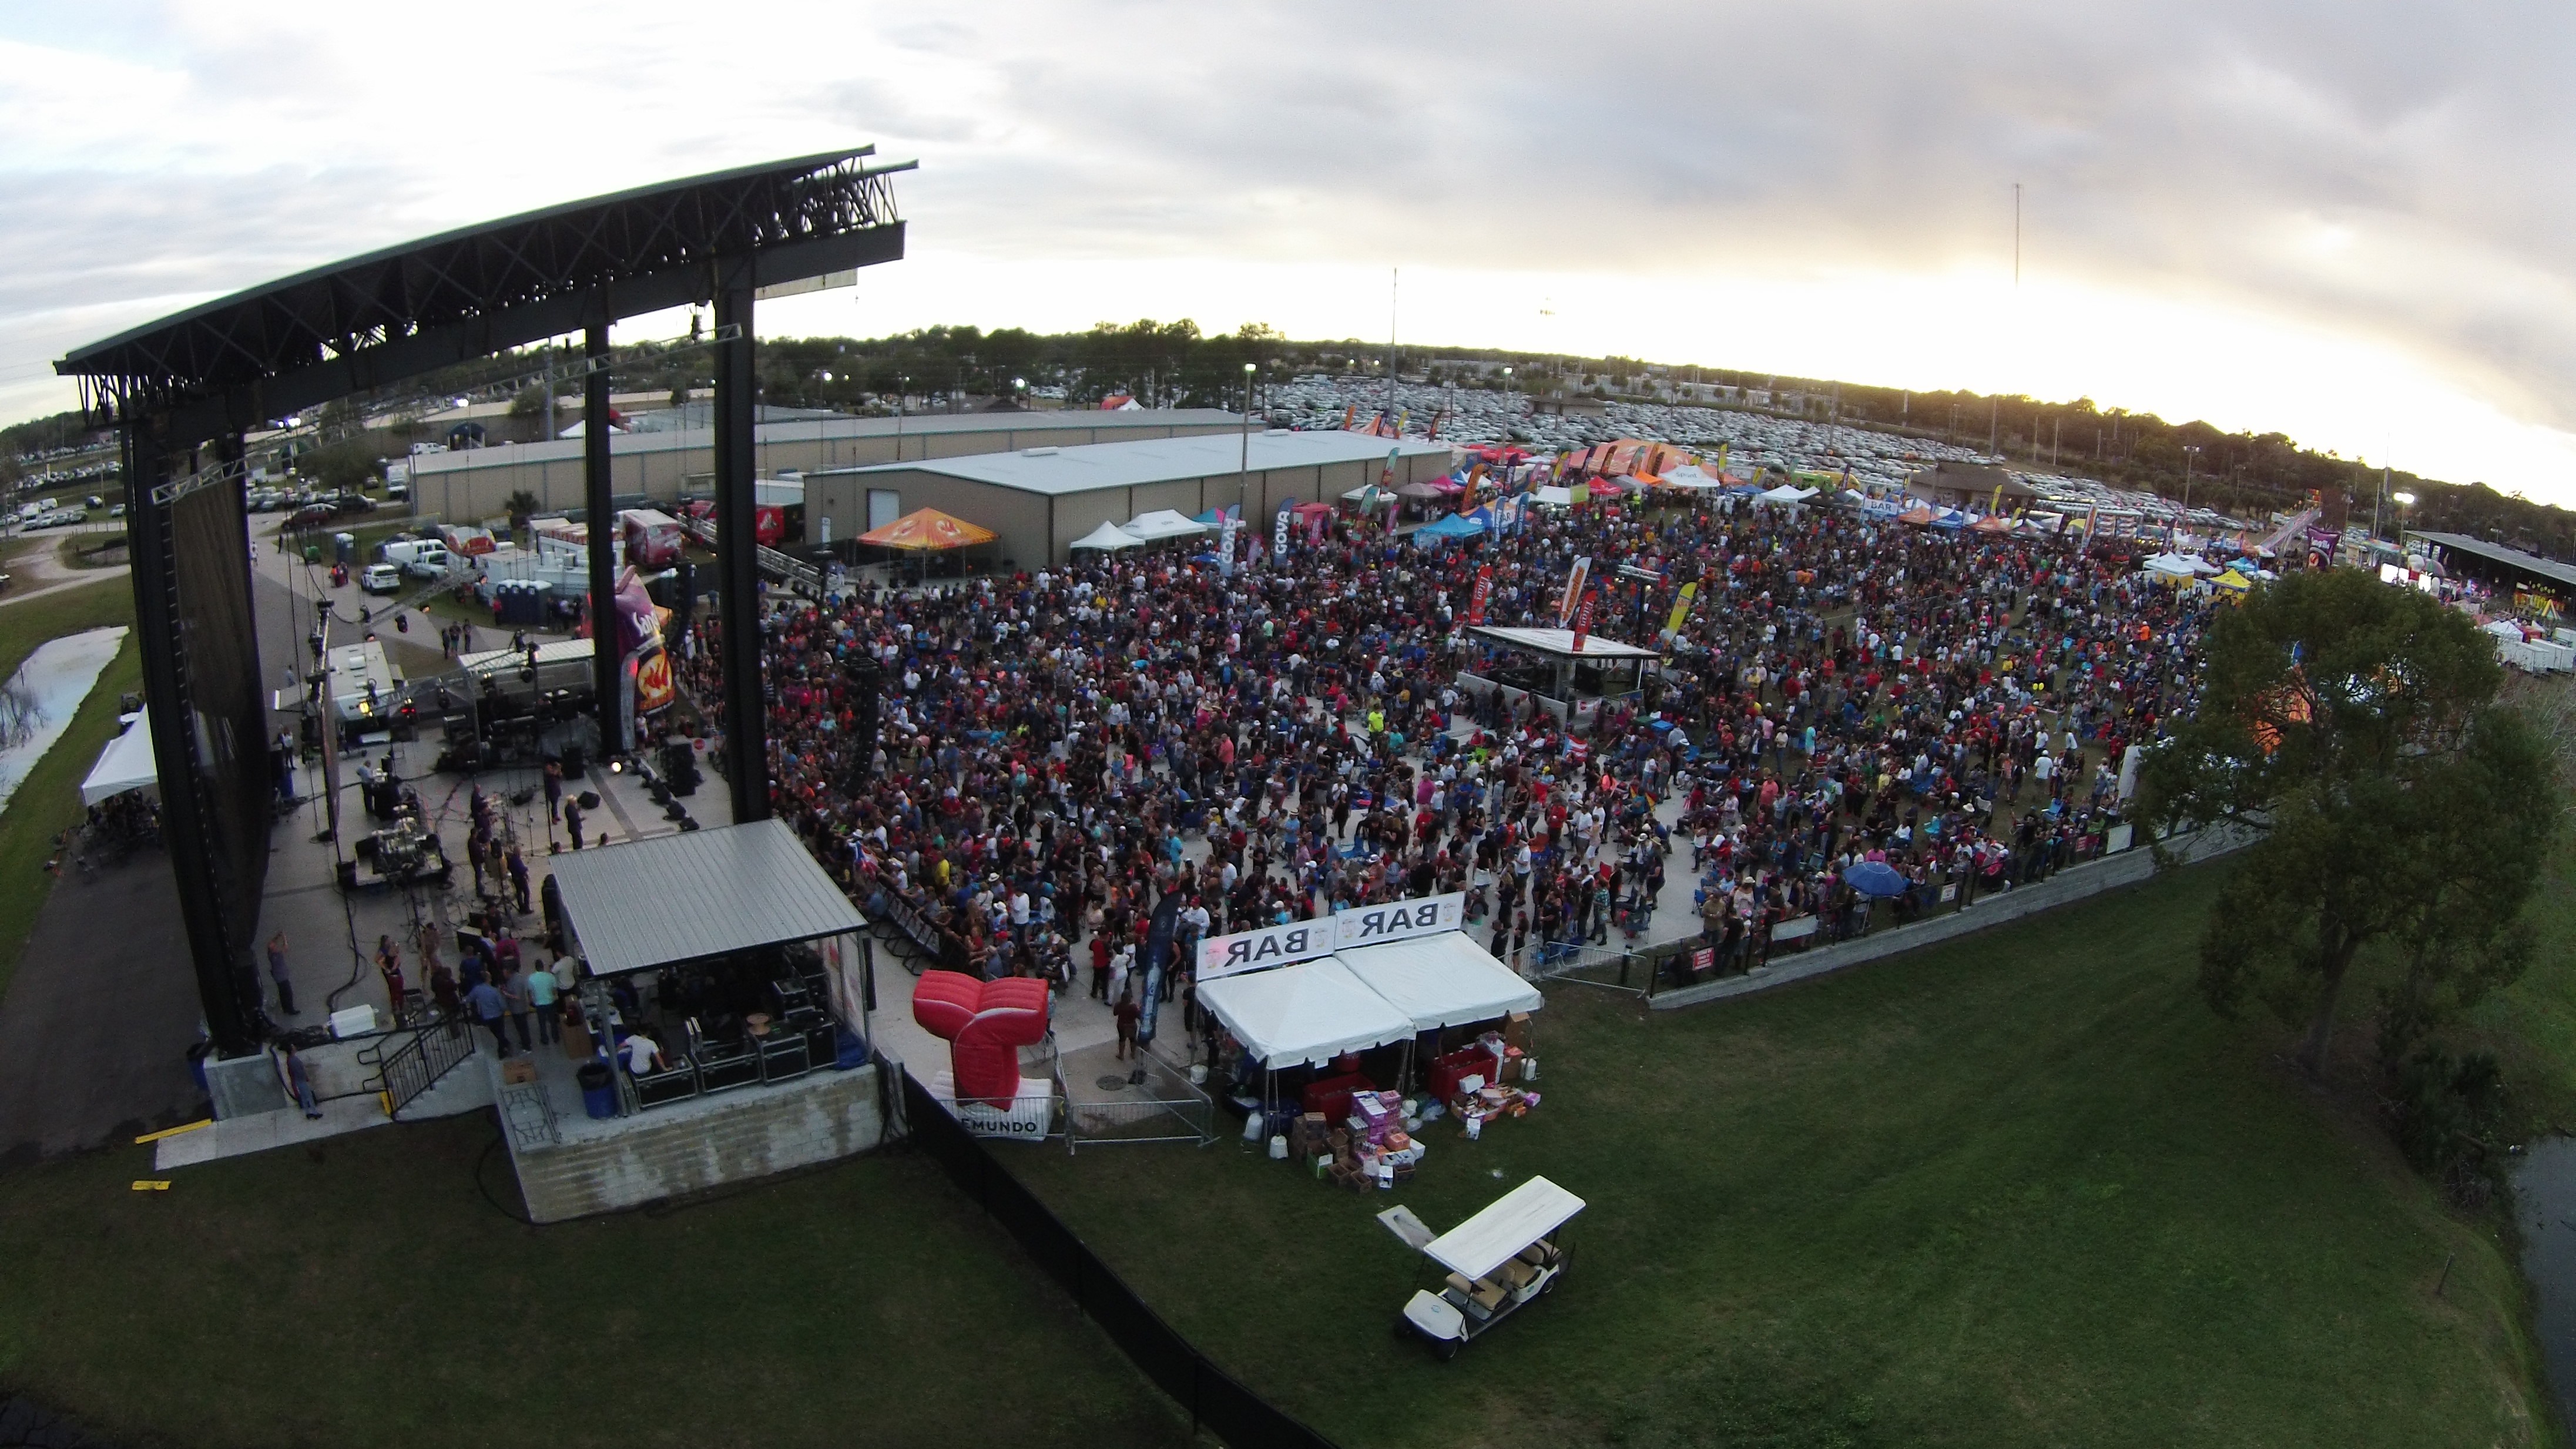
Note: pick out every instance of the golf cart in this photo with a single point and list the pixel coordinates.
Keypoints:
(1495, 1262)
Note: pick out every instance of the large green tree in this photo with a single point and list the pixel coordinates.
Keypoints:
(2355, 730)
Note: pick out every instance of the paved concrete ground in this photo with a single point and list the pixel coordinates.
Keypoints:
(96, 1027)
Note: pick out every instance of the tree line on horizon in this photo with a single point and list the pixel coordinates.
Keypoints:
(1174, 364)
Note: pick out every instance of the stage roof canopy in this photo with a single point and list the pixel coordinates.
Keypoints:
(701, 893)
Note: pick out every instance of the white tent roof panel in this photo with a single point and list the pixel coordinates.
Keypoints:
(1442, 980)
(126, 764)
(1109, 538)
(1305, 1014)
(1162, 523)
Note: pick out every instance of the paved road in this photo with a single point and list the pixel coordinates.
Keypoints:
(95, 1029)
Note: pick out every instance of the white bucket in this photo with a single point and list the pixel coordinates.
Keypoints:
(1278, 1148)
(1529, 1069)
(1198, 1076)
(1252, 1124)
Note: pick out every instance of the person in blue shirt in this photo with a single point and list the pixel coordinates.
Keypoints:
(485, 1001)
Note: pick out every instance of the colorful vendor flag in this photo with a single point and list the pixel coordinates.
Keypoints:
(1386, 477)
(1574, 581)
(1583, 619)
(1484, 591)
(1681, 609)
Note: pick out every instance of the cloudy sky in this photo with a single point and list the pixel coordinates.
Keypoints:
(2349, 222)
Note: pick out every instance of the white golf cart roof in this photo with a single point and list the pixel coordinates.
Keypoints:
(1508, 1224)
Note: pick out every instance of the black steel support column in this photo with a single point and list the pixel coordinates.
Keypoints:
(737, 557)
(232, 1014)
(599, 511)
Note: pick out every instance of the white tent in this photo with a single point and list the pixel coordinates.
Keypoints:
(1688, 475)
(2178, 566)
(1549, 496)
(1788, 493)
(1108, 538)
(126, 764)
(1309, 1013)
(1442, 980)
(1163, 523)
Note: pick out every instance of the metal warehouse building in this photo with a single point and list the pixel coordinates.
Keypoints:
(1040, 499)
(476, 483)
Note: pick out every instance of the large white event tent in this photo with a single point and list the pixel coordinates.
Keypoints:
(1108, 538)
(1441, 980)
(1163, 523)
(126, 764)
(1306, 1014)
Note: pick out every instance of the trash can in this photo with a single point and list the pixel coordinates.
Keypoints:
(598, 1089)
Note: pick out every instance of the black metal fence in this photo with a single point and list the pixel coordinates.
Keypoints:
(1215, 1399)
(405, 1071)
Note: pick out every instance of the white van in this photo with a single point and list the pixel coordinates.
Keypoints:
(424, 558)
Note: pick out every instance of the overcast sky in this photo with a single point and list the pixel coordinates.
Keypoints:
(2348, 222)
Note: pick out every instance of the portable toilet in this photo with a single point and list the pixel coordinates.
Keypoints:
(344, 549)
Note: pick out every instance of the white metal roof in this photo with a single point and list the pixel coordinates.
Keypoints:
(1508, 1224)
(684, 897)
(1441, 980)
(1089, 466)
(1309, 1013)
(1560, 643)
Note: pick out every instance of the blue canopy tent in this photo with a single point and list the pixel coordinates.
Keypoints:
(1450, 526)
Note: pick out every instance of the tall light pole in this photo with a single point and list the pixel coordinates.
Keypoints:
(2189, 452)
(1020, 393)
(2405, 502)
(902, 385)
(1243, 478)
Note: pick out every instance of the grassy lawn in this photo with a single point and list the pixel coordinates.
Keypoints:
(365, 1292)
(2023, 1189)
(48, 800)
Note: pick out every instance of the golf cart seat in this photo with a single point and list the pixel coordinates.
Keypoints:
(1539, 1254)
(1515, 1274)
(1485, 1294)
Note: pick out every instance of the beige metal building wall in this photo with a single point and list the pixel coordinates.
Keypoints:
(1038, 526)
(477, 484)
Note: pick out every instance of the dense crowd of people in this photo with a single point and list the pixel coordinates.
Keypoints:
(1059, 750)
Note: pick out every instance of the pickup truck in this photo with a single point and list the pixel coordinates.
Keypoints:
(422, 558)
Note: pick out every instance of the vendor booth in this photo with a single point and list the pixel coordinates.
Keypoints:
(1570, 677)
(1346, 1056)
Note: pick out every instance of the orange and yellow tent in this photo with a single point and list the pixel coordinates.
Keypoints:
(928, 529)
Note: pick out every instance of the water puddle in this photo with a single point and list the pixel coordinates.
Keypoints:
(37, 702)
(2544, 1191)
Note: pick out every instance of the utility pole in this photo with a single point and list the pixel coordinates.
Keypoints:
(1994, 421)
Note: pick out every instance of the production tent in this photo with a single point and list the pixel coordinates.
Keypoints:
(1163, 523)
(1108, 538)
(928, 529)
(1305, 1014)
(126, 764)
(1788, 493)
(1549, 496)
(1419, 492)
(1689, 476)
(1441, 980)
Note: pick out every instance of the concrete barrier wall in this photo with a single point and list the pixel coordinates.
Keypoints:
(706, 1142)
(2064, 888)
